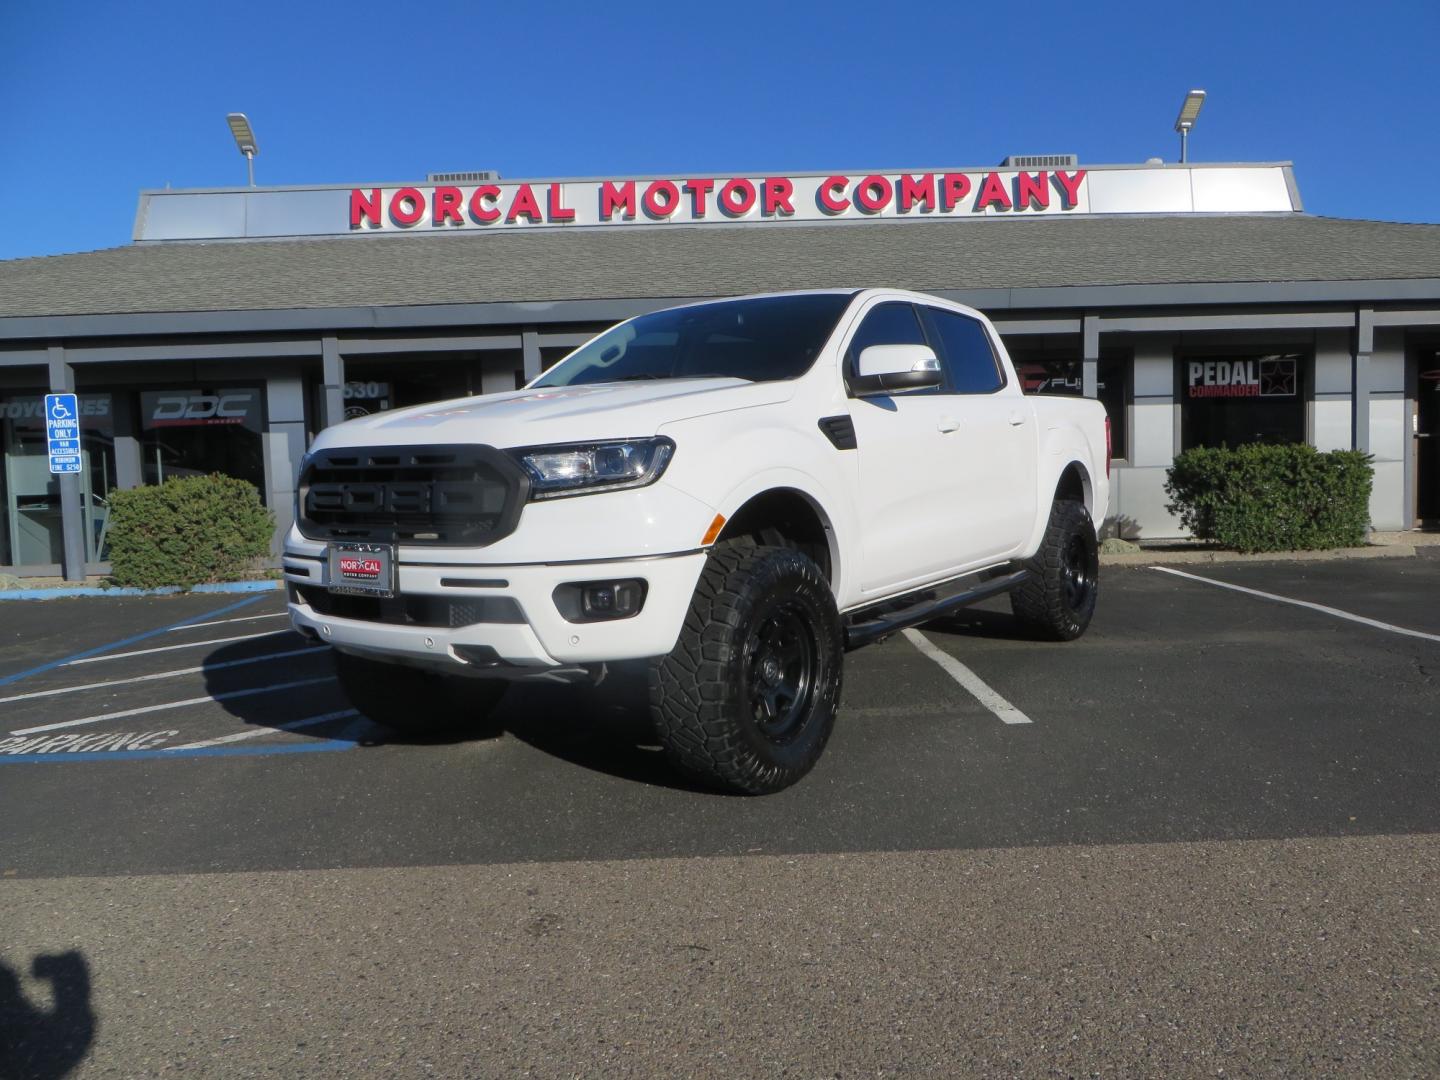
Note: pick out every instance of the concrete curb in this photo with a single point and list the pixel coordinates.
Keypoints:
(1163, 558)
(168, 590)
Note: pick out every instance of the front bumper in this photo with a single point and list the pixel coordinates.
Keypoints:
(540, 641)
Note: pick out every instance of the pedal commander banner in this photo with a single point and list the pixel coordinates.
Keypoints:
(488, 204)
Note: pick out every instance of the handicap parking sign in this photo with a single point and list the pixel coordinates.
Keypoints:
(62, 432)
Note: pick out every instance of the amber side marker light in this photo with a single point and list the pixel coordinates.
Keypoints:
(713, 531)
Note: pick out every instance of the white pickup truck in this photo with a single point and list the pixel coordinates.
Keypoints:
(733, 492)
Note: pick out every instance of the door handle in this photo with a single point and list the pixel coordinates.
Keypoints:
(1016, 419)
(948, 424)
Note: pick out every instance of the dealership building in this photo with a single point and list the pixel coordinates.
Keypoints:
(1200, 303)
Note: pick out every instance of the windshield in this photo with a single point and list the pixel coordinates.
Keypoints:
(760, 340)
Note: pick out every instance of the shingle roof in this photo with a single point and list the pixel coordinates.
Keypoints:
(623, 263)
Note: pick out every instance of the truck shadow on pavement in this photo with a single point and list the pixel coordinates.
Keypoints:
(978, 622)
(45, 1044)
(604, 728)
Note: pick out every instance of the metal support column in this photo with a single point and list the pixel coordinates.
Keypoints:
(332, 379)
(530, 346)
(72, 515)
(1360, 378)
(1090, 358)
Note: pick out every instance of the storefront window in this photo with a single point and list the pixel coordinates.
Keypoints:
(1046, 371)
(398, 382)
(31, 532)
(1238, 399)
(365, 397)
(196, 431)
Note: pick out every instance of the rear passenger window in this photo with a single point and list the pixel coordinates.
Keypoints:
(970, 363)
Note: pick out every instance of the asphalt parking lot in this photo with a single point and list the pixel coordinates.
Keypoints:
(193, 751)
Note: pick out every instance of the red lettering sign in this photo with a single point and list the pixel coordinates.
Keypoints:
(661, 198)
(737, 197)
(1071, 187)
(1032, 191)
(917, 190)
(407, 206)
(873, 194)
(446, 206)
(482, 204)
(524, 205)
(363, 209)
(777, 196)
(621, 198)
(558, 211)
(955, 188)
(829, 197)
(698, 189)
(992, 190)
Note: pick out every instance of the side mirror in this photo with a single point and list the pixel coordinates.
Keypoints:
(883, 369)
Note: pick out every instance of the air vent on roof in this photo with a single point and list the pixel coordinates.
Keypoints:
(1041, 161)
(486, 177)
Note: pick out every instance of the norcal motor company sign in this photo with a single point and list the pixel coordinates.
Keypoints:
(697, 200)
(958, 194)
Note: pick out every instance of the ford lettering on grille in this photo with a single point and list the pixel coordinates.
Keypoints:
(463, 495)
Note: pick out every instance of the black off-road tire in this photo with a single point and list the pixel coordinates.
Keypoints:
(421, 703)
(1057, 602)
(746, 700)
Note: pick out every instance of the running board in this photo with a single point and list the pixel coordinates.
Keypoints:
(870, 630)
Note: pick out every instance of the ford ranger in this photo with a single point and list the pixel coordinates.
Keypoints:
(734, 493)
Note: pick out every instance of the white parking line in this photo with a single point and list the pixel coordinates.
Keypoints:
(274, 688)
(250, 733)
(207, 668)
(170, 648)
(968, 679)
(219, 622)
(1376, 623)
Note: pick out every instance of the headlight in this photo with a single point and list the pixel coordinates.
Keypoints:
(580, 468)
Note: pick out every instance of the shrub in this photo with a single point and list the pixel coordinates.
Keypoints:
(188, 530)
(1272, 498)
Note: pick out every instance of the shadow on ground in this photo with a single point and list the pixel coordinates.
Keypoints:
(605, 728)
(38, 1043)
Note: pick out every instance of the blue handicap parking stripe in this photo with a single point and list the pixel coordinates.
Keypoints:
(8, 679)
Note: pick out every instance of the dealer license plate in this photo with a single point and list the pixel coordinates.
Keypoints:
(362, 569)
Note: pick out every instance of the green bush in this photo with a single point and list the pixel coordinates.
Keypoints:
(187, 531)
(1272, 498)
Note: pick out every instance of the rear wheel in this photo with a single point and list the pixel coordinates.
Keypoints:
(1057, 601)
(747, 698)
(420, 703)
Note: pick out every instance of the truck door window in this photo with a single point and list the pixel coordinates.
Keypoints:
(886, 324)
(969, 359)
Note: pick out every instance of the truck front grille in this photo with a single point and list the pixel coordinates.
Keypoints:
(455, 496)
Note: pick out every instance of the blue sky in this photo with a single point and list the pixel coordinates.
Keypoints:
(101, 99)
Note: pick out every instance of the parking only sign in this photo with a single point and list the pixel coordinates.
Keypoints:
(62, 432)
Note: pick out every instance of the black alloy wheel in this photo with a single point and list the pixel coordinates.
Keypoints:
(746, 700)
(1057, 600)
(780, 670)
(1076, 573)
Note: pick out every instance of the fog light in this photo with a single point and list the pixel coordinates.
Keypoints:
(600, 601)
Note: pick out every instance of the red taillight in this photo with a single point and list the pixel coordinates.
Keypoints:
(1107, 447)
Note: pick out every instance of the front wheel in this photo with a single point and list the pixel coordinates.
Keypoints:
(747, 698)
(420, 703)
(1057, 601)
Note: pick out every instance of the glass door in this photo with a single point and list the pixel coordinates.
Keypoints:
(33, 530)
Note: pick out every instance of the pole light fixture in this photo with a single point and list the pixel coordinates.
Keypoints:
(244, 139)
(1189, 110)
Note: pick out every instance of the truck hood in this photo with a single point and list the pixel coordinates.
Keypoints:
(557, 414)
